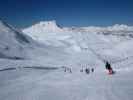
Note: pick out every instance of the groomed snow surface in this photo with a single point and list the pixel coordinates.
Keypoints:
(37, 67)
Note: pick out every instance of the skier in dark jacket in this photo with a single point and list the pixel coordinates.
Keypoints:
(92, 69)
(87, 70)
(108, 67)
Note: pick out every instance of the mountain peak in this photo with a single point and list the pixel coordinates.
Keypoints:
(120, 27)
(47, 24)
(44, 27)
(53, 23)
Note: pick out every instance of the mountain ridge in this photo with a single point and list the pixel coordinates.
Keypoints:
(52, 26)
(13, 42)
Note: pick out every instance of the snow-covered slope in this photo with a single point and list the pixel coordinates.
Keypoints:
(13, 43)
(101, 41)
(79, 38)
(88, 48)
(40, 31)
(72, 39)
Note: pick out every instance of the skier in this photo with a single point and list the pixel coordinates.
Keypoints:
(92, 69)
(81, 70)
(109, 68)
(65, 69)
(70, 70)
(87, 70)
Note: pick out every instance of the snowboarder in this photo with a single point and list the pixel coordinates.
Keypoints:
(109, 68)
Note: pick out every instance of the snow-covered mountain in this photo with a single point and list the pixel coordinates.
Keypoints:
(51, 34)
(48, 26)
(13, 43)
(103, 42)
(52, 26)
(73, 38)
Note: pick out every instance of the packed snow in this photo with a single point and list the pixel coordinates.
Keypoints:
(48, 62)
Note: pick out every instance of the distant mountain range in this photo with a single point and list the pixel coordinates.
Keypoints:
(52, 26)
(50, 33)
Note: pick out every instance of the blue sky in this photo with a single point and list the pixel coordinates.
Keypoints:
(23, 13)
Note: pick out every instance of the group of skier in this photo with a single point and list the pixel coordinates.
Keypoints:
(67, 69)
(88, 70)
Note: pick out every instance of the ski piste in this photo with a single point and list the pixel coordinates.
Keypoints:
(113, 61)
